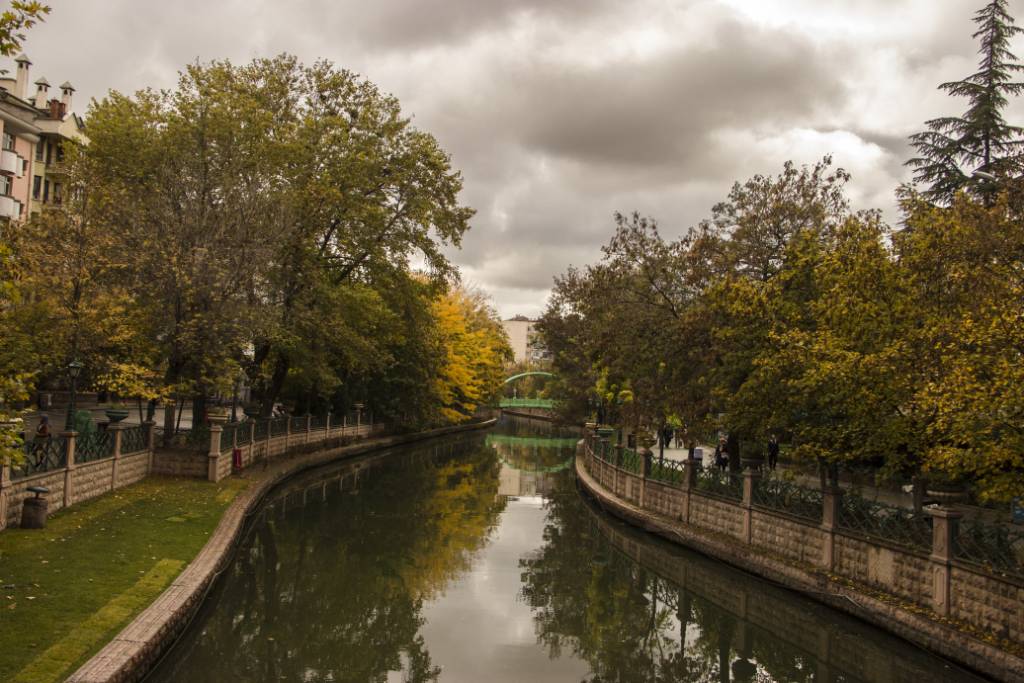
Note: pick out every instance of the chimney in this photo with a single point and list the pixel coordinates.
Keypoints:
(66, 90)
(21, 79)
(42, 87)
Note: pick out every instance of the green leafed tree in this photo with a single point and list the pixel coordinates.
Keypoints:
(954, 148)
(16, 20)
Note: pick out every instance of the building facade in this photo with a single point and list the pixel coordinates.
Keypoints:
(34, 131)
(525, 341)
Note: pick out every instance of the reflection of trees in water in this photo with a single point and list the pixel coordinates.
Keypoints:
(333, 590)
(595, 595)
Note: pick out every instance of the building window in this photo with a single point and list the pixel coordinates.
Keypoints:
(8, 142)
(60, 151)
(58, 194)
(37, 187)
(5, 186)
(46, 191)
(49, 152)
(24, 166)
(39, 151)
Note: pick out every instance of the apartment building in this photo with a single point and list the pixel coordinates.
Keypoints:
(33, 131)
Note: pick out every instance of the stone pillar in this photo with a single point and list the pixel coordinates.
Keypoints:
(5, 492)
(750, 480)
(945, 524)
(213, 457)
(309, 427)
(344, 423)
(645, 471)
(69, 468)
(327, 426)
(689, 484)
(116, 429)
(149, 431)
(287, 433)
(832, 501)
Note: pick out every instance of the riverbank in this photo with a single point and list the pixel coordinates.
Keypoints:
(71, 587)
(944, 637)
(129, 655)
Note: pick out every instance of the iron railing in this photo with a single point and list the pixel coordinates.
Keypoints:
(783, 496)
(717, 483)
(227, 436)
(996, 547)
(261, 430)
(317, 422)
(91, 446)
(42, 456)
(886, 522)
(298, 423)
(133, 440)
(632, 461)
(279, 426)
(669, 471)
(243, 433)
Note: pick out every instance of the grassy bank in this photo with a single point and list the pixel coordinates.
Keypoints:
(66, 590)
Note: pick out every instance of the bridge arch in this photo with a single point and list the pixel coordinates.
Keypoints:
(531, 373)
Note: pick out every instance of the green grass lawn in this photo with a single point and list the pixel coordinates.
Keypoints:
(68, 589)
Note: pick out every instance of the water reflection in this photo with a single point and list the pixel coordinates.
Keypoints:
(475, 559)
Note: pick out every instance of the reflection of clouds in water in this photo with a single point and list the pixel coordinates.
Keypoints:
(479, 630)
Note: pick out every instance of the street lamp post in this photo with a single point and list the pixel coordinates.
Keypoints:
(74, 369)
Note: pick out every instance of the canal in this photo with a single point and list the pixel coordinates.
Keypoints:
(474, 558)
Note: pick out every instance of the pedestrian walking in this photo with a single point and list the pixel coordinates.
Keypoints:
(773, 452)
(41, 439)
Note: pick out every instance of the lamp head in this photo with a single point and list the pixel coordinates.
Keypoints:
(75, 368)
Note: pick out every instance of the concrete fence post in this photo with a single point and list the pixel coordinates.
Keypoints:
(287, 433)
(645, 472)
(116, 430)
(309, 426)
(327, 426)
(70, 439)
(945, 525)
(831, 503)
(750, 480)
(212, 470)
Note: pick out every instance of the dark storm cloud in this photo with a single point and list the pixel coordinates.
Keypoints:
(560, 112)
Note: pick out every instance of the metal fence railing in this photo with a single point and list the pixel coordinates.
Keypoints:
(996, 547)
(886, 522)
(261, 429)
(725, 484)
(669, 471)
(133, 440)
(632, 461)
(91, 446)
(243, 433)
(298, 423)
(783, 496)
(279, 426)
(42, 456)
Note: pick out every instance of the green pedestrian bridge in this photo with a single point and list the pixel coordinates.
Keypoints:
(545, 403)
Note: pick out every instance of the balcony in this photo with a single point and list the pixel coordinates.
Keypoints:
(9, 207)
(10, 163)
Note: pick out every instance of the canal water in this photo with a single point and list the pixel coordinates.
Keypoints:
(475, 558)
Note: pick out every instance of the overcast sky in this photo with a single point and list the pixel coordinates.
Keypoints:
(560, 112)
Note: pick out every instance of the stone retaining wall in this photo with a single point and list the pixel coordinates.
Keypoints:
(76, 482)
(939, 599)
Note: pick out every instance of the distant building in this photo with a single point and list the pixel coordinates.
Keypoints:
(33, 133)
(525, 342)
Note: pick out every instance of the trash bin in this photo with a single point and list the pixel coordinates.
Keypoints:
(33, 510)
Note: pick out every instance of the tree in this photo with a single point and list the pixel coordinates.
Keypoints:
(16, 20)
(475, 350)
(980, 140)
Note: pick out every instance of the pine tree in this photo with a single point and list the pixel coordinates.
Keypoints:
(980, 140)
